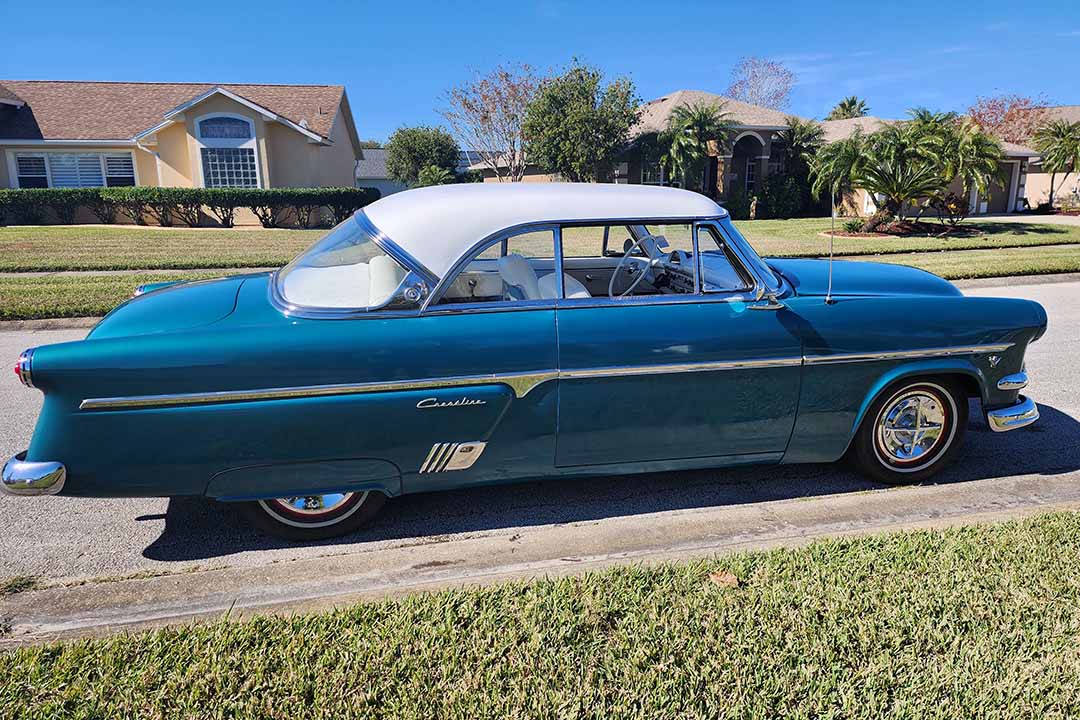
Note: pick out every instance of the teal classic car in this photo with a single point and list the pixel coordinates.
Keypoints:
(475, 334)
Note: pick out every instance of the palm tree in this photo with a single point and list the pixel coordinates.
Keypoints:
(836, 165)
(972, 156)
(802, 139)
(1059, 143)
(690, 128)
(899, 183)
(849, 107)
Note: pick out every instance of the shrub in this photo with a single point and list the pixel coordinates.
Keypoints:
(65, 202)
(853, 226)
(128, 202)
(343, 202)
(738, 204)
(104, 208)
(164, 204)
(782, 196)
(434, 175)
(223, 203)
(951, 208)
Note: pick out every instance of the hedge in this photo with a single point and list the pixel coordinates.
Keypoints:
(165, 205)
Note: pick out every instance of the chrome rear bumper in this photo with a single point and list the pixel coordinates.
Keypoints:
(32, 478)
(1022, 414)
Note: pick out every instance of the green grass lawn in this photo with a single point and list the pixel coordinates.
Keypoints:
(978, 622)
(800, 238)
(53, 296)
(1000, 249)
(93, 247)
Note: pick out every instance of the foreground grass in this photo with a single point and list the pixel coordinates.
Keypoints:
(990, 263)
(980, 622)
(800, 238)
(55, 296)
(92, 247)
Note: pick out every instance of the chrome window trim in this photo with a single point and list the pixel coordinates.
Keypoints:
(522, 383)
(738, 262)
(905, 354)
(416, 276)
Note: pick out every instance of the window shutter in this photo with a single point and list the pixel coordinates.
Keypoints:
(64, 170)
(90, 171)
(31, 166)
(119, 166)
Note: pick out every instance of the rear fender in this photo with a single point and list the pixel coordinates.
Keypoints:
(263, 482)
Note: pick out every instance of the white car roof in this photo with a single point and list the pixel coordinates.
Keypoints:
(437, 225)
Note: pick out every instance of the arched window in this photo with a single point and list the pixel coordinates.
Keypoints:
(228, 151)
(224, 127)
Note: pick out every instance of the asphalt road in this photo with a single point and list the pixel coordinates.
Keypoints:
(61, 539)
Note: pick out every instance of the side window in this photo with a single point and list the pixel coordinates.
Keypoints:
(720, 270)
(518, 268)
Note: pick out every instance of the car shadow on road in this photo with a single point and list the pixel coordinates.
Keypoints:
(196, 528)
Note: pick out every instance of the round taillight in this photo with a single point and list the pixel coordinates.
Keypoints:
(22, 368)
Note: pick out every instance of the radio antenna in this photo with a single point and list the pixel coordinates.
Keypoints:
(832, 234)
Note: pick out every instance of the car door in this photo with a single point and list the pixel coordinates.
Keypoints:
(675, 376)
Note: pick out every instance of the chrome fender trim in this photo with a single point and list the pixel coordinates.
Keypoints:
(32, 478)
(1022, 414)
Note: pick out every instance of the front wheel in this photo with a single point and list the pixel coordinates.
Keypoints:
(911, 432)
(314, 517)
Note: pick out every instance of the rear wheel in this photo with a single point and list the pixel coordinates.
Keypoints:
(314, 517)
(911, 432)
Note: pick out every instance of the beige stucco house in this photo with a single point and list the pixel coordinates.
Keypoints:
(1066, 186)
(93, 134)
(756, 152)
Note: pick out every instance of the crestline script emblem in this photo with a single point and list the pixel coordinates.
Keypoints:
(436, 403)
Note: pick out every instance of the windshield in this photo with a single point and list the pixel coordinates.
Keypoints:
(757, 265)
(345, 269)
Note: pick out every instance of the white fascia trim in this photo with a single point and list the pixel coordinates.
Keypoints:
(269, 115)
(150, 131)
(32, 143)
(14, 103)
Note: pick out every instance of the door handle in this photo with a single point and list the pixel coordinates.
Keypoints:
(589, 277)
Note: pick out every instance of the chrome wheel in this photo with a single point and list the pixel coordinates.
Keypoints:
(914, 427)
(313, 511)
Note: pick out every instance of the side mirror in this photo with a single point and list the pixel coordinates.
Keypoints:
(764, 300)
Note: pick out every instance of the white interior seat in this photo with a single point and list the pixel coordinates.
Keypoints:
(549, 287)
(384, 277)
(518, 274)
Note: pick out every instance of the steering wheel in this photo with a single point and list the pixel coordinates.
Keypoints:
(627, 252)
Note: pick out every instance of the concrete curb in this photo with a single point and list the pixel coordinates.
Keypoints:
(47, 324)
(316, 584)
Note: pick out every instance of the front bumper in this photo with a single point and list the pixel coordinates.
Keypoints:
(1022, 414)
(32, 478)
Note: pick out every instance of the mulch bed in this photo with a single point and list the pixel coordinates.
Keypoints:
(909, 228)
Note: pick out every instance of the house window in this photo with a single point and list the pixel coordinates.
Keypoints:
(75, 170)
(229, 167)
(652, 172)
(225, 127)
(228, 151)
(777, 159)
(751, 173)
(32, 173)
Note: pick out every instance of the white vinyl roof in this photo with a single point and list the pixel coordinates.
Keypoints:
(437, 225)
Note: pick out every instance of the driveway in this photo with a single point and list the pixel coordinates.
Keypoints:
(1027, 218)
(212, 562)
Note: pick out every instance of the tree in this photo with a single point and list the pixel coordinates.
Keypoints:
(1059, 143)
(411, 149)
(690, 128)
(576, 127)
(849, 107)
(971, 155)
(901, 164)
(761, 82)
(1012, 118)
(836, 166)
(802, 139)
(434, 175)
(487, 114)
(370, 144)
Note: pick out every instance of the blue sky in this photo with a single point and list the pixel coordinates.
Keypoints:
(397, 59)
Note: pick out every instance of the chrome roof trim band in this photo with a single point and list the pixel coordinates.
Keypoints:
(905, 354)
